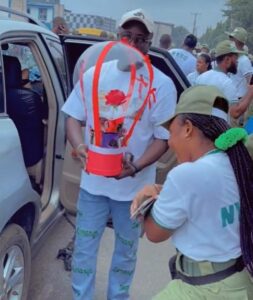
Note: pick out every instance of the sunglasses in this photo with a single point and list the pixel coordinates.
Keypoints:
(137, 39)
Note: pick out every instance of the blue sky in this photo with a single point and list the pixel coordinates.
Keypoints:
(178, 12)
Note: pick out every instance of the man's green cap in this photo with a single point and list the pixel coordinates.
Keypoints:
(225, 47)
(198, 46)
(199, 99)
(239, 33)
(205, 46)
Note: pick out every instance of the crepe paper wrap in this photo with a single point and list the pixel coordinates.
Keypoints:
(230, 138)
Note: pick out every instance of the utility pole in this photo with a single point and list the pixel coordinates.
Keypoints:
(194, 29)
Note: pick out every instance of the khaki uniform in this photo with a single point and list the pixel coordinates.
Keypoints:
(236, 287)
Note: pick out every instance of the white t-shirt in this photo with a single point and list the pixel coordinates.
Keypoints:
(192, 77)
(185, 60)
(244, 68)
(200, 202)
(221, 81)
(146, 129)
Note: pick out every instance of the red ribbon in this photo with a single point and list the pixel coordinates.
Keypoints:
(151, 95)
(142, 84)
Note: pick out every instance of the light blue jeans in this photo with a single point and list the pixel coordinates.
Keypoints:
(92, 215)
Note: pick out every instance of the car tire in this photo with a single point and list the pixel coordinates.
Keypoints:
(15, 263)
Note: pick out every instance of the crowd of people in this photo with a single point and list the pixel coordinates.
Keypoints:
(228, 67)
(205, 204)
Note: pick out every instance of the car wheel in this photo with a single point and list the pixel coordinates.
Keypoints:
(15, 263)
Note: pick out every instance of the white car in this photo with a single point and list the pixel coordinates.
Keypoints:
(39, 178)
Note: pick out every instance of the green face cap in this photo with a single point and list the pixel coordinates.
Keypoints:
(205, 46)
(239, 33)
(199, 99)
(225, 47)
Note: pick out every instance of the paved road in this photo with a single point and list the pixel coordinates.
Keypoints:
(51, 282)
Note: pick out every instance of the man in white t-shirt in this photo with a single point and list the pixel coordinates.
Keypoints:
(226, 58)
(184, 56)
(244, 68)
(101, 196)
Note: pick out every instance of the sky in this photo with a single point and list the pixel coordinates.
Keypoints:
(178, 12)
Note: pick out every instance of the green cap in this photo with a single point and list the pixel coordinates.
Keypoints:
(205, 46)
(198, 46)
(199, 99)
(239, 33)
(225, 47)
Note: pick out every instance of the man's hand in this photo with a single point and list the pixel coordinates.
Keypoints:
(61, 29)
(128, 169)
(238, 109)
(149, 191)
(81, 153)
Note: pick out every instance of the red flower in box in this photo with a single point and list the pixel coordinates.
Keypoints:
(115, 98)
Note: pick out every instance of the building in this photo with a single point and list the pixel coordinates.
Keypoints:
(19, 5)
(45, 10)
(76, 21)
(161, 28)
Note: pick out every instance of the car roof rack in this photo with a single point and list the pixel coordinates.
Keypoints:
(24, 15)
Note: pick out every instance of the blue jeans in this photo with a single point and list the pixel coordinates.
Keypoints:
(92, 215)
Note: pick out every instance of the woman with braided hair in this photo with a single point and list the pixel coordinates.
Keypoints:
(206, 202)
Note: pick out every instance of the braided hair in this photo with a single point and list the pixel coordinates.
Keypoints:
(242, 165)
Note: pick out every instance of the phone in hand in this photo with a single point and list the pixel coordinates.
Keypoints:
(144, 209)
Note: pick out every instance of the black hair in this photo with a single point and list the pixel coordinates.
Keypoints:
(190, 41)
(242, 165)
(207, 60)
(165, 40)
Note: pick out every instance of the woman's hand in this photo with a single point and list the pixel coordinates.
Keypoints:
(149, 191)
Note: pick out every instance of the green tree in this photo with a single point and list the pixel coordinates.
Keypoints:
(237, 13)
(178, 35)
(213, 36)
(240, 13)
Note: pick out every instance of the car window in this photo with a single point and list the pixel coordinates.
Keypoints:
(57, 55)
(31, 76)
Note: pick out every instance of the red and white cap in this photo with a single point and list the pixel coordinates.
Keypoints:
(138, 15)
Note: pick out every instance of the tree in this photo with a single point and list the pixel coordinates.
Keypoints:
(237, 13)
(178, 35)
(213, 36)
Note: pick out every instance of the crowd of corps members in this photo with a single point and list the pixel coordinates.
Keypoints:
(228, 67)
